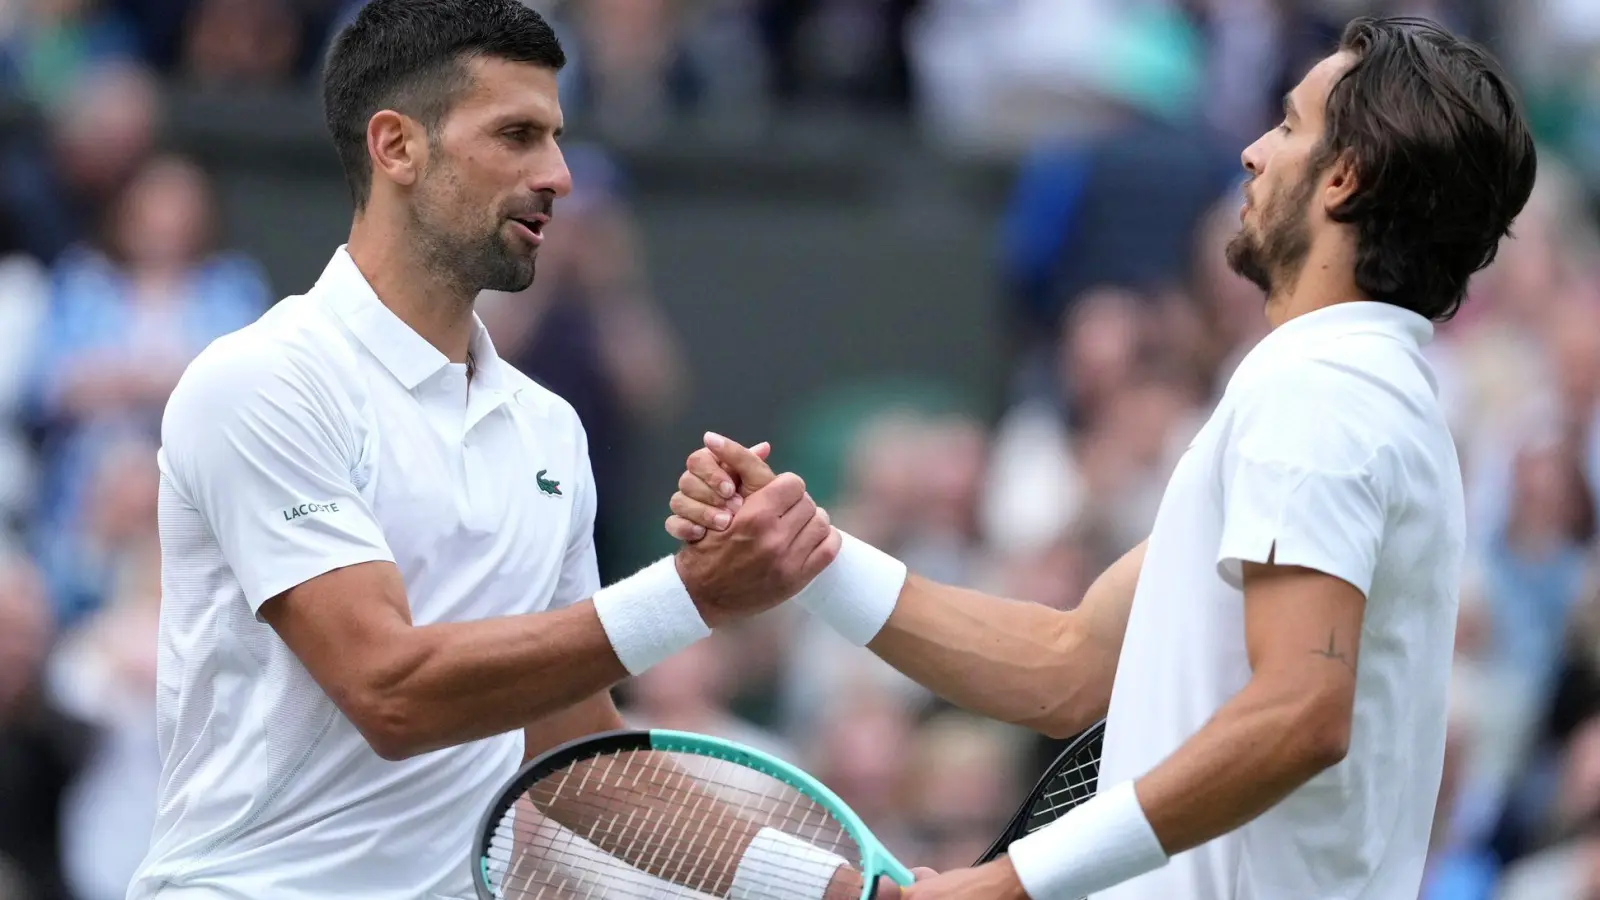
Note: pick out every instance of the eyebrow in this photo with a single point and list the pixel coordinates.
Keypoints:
(518, 121)
(1288, 107)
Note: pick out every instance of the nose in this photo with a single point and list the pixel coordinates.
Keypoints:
(554, 177)
(1251, 158)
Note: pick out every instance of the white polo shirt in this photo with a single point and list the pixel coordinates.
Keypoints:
(1329, 444)
(326, 434)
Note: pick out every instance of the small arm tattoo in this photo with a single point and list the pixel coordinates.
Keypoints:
(1333, 652)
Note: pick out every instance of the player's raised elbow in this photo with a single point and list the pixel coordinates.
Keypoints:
(1071, 687)
(384, 722)
(1322, 731)
(380, 705)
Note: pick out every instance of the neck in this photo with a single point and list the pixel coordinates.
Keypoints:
(1324, 279)
(430, 302)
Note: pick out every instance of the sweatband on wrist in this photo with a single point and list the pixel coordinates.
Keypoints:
(777, 864)
(857, 592)
(649, 616)
(1096, 846)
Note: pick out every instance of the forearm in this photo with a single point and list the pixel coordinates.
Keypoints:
(1260, 747)
(457, 682)
(1257, 749)
(1017, 662)
(1010, 660)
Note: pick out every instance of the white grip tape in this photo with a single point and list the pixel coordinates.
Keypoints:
(777, 864)
(856, 593)
(649, 616)
(1096, 846)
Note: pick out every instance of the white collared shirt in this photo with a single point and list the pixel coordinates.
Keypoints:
(327, 434)
(1330, 447)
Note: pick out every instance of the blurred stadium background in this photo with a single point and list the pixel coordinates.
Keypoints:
(959, 259)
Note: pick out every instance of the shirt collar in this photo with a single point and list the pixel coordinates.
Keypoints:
(1353, 317)
(406, 354)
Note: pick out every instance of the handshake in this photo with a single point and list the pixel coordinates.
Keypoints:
(752, 539)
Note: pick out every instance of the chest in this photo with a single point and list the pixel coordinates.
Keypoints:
(476, 504)
(1183, 608)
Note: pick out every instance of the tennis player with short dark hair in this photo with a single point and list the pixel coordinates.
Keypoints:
(1275, 657)
(378, 574)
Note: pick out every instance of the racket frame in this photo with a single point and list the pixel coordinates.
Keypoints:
(1088, 742)
(875, 859)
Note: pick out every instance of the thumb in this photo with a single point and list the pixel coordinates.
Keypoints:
(752, 472)
(922, 873)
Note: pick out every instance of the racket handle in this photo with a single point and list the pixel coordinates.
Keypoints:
(891, 868)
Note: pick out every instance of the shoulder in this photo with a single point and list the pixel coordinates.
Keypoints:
(1340, 405)
(293, 360)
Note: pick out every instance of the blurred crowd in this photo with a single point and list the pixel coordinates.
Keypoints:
(1124, 324)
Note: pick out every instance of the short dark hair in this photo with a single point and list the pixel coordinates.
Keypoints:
(411, 56)
(1443, 157)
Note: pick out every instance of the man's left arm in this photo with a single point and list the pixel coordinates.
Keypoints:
(1291, 721)
(1306, 487)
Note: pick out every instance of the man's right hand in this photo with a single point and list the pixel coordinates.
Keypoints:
(773, 545)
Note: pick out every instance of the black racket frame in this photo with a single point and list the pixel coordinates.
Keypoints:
(1085, 748)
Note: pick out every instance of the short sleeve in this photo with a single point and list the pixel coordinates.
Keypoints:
(580, 568)
(257, 444)
(1304, 477)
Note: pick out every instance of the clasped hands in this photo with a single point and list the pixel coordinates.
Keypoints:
(753, 539)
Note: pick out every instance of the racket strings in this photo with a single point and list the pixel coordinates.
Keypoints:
(1075, 781)
(648, 824)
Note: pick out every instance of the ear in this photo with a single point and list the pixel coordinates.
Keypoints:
(1339, 182)
(397, 147)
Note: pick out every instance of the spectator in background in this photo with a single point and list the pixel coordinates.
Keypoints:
(24, 299)
(859, 748)
(127, 315)
(235, 44)
(105, 674)
(41, 747)
(57, 41)
(972, 772)
(55, 192)
(118, 526)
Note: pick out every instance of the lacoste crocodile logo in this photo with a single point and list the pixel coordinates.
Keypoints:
(553, 488)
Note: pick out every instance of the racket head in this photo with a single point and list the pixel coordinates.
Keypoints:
(1070, 780)
(763, 788)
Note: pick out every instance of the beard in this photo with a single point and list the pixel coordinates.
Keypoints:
(1271, 257)
(478, 260)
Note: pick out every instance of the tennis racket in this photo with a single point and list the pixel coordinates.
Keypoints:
(1069, 781)
(629, 815)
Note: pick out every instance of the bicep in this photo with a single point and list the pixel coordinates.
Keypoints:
(1109, 601)
(1302, 626)
(345, 626)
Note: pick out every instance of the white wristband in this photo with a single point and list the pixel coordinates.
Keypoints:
(649, 616)
(777, 864)
(856, 594)
(1098, 845)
